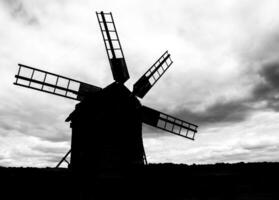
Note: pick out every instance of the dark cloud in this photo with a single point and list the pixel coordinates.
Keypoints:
(262, 66)
(219, 112)
(18, 10)
(268, 89)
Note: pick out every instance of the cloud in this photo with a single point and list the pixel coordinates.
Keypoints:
(17, 10)
(220, 77)
(58, 150)
(237, 148)
(40, 120)
(260, 88)
(220, 112)
(264, 95)
(261, 150)
(268, 89)
(22, 150)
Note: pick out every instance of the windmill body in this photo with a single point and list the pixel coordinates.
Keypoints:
(107, 123)
(106, 130)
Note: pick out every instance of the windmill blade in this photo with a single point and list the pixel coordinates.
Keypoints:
(113, 47)
(168, 123)
(44, 81)
(153, 74)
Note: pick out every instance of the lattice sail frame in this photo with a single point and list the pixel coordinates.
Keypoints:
(168, 123)
(44, 81)
(152, 75)
(113, 47)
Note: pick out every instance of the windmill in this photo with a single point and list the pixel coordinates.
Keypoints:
(107, 122)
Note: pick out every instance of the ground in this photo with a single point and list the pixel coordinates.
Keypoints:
(155, 181)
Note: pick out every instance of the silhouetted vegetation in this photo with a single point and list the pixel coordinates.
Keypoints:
(155, 181)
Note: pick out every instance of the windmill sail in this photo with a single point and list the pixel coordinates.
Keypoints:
(153, 74)
(168, 123)
(113, 47)
(44, 81)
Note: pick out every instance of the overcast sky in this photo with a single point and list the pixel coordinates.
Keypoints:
(225, 75)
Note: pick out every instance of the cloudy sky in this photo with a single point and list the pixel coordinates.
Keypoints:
(225, 75)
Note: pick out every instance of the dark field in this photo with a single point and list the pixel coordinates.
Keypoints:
(155, 181)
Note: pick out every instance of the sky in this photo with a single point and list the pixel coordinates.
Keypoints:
(225, 75)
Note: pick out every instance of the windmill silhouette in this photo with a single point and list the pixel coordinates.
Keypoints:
(107, 122)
